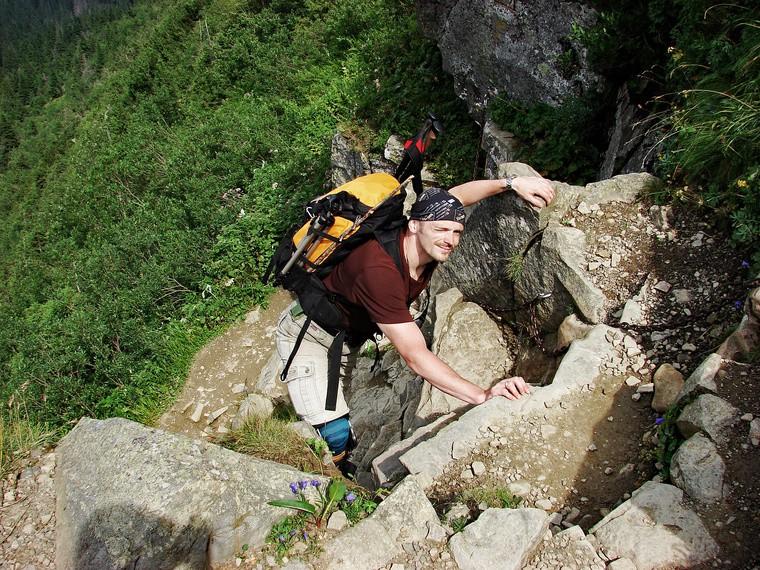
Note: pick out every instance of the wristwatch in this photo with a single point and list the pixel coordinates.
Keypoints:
(508, 182)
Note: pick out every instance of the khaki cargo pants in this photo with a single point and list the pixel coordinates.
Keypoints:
(307, 377)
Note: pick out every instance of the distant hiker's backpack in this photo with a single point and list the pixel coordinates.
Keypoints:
(368, 207)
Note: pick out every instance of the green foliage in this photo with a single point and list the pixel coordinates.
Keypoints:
(319, 508)
(152, 154)
(358, 505)
(458, 524)
(563, 143)
(18, 436)
(713, 140)
(515, 266)
(287, 533)
(494, 497)
(669, 438)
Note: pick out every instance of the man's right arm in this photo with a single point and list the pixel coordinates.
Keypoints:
(408, 340)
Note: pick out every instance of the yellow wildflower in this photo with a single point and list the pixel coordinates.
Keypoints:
(741, 183)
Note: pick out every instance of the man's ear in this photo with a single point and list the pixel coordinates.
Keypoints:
(413, 226)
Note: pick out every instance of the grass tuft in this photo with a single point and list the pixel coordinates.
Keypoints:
(18, 437)
(272, 439)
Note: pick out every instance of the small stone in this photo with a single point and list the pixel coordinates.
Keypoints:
(594, 265)
(459, 450)
(197, 413)
(747, 417)
(615, 261)
(337, 521)
(609, 471)
(478, 468)
(632, 381)
(238, 388)
(645, 388)
(592, 447)
(544, 504)
(636, 397)
(467, 474)
(215, 414)
(689, 347)
(754, 432)
(610, 418)
(584, 209)
(663, 286)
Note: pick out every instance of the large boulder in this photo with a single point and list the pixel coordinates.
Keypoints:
(404, 518)
(129, 496)
(521, 49)
(554, 266)
(500, 538)
(711, 415)
(655, 529)
(698, 469)
(471, 344)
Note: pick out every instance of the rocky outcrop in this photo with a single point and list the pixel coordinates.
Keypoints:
(466, 330)
(404, 518)
(698, 469)
(520, 49)
(657, 517)
(129, 496)
(511, 253)
(483, 544)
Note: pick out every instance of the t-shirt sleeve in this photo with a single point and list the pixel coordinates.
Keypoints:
(380, 289)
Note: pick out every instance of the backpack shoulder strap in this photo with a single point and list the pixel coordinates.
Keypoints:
(389, 240)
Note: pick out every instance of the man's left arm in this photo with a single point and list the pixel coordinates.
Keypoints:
(535, 190)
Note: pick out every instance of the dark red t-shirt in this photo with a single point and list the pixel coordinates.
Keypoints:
(375, 289)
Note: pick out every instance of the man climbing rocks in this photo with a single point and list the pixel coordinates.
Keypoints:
(375, 297)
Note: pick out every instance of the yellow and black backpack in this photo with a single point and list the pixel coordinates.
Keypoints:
(368, 207)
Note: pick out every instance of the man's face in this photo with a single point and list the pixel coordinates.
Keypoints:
(438, 239)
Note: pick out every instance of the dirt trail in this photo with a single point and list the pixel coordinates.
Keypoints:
(224, 371)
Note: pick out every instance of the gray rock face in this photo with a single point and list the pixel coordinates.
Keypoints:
(135, 497)
(667, 384)
(468, 330)
(630, 148)
(405, 516)
(500, 538)
(387, 466)
(521, 49)
(709, 414)
(500, 147)
(698, 469)
(497, 264)
(654, 529)
(378, 401)
(346, 163)
(555, 266)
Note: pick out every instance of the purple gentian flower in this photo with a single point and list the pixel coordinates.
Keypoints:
(305, 535)
(294, 488)
(315, 483)
(738, 305)
(350, 498)
(745, 264)
(303, 484)
(659, 420)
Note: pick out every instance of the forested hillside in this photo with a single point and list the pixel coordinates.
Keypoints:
(152, 154)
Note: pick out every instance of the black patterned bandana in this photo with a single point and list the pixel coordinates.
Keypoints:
(436, 204)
